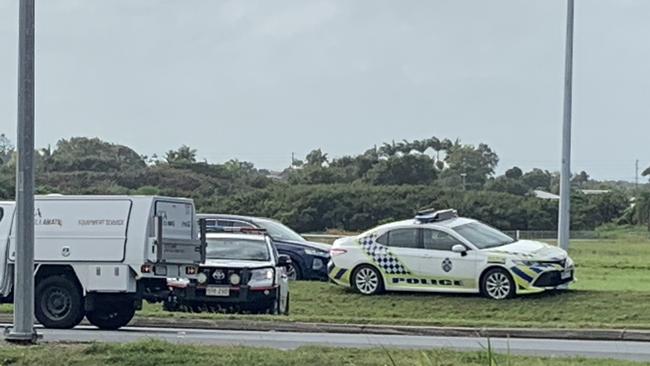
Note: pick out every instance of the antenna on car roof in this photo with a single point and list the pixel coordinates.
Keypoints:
(431, 215)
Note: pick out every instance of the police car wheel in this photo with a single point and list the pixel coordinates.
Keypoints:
(367, 280)
(498, 284)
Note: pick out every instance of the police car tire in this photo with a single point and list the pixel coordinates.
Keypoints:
(498, 273)
(62, 288)
(367, 269)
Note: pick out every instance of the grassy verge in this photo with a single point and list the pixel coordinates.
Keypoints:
(156, 353)
(321, 302)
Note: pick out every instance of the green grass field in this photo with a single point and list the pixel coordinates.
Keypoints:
(612, 291)
(156, 353)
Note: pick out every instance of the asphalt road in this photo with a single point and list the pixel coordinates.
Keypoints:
(637, 351)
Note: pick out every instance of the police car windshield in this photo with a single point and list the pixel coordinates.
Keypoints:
(278, 231)
(483, 236)
(239, 249)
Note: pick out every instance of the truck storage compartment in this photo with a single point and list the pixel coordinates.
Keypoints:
(177, 240)
(80, 230)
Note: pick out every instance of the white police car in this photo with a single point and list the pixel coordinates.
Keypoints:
(441, 252)
(242, 272)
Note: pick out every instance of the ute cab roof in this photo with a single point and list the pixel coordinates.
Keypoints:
(237, 233)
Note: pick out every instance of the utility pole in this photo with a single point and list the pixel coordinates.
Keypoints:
(636, 178)
(565, 178)
(23, 329)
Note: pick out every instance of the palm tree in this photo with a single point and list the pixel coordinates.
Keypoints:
(642, 209)
(387, 149)
(646, 172)
(420, 145)
(404, 147)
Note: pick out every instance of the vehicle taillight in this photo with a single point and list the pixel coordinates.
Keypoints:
(337, 251)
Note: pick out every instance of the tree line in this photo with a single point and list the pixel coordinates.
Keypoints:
(384, 183)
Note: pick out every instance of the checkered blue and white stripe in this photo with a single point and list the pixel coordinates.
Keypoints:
(381, 256)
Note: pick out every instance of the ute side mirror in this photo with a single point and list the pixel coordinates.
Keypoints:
(460, 249)
(284, 260)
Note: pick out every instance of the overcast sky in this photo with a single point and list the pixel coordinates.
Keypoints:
(258, 80)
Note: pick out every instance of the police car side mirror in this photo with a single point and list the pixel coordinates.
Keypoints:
(284, 260)
(460, 249)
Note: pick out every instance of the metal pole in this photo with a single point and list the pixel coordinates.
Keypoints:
(565, 178)
(636, 178)
(23, 329)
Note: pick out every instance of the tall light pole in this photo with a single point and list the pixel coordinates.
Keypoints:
(565, 177)
(23, 329)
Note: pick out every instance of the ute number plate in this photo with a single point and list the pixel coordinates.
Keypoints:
(566, 274)
(217, 291)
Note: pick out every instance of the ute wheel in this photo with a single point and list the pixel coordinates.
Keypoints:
(112, 315)
(498, 284)
(58, 303)
(367, 280)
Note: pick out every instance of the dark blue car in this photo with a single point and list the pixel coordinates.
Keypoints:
(308, 259)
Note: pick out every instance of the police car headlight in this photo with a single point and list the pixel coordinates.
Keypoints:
(202, 278)
(316, 252)
(235, 279)
(262, 277)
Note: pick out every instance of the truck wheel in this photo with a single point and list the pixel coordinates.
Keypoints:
(111, 316)
(498, 284)
(58, 303)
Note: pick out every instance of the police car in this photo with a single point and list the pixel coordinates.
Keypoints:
(438, 251)
(242, 272)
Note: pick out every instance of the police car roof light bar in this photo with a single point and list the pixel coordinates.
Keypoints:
(431, 215)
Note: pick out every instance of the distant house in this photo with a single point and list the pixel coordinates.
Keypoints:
(595, 191)
(545, 195)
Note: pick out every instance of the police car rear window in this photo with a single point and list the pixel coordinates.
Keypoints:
(401, 238)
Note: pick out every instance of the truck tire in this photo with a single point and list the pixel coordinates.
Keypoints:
(58, 303)
(111, 315)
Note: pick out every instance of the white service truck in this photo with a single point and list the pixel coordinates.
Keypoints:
(101, 256)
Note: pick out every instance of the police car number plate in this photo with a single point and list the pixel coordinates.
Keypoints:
(566, 274)
(217, 291)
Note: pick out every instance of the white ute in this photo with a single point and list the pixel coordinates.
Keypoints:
(100, 256)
